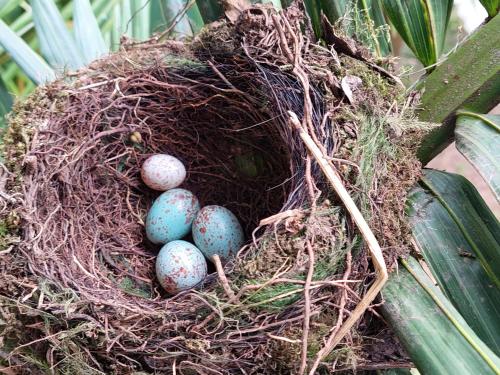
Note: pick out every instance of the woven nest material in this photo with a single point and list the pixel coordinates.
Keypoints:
(79, 293)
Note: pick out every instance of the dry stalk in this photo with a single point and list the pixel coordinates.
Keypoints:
(371, 241)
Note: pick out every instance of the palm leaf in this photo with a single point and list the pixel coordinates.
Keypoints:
(450, 257)
(434, 334)
(422, 25)
(31, 63)
(491, 6)
(335, 10)
(195, 18)
(141, 14)
(313, 8)
(5, 103)
(478, 139)
(477, 224)
(210, 10)
(56, 43)
(468, 78)
(87, 33)
(371, 28)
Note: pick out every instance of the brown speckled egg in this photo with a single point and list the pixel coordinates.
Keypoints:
(163, 172)
(179, 266)
(216, 230)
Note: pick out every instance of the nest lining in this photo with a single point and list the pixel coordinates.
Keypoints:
(225, 115)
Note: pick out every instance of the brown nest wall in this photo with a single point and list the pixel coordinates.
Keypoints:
(79, 291)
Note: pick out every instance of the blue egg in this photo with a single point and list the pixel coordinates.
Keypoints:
(179, 266)
(216, 230)
(171, 216)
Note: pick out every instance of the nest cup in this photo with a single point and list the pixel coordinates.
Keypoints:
(222, 109)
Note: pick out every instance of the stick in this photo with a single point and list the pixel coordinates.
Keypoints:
(368, 236)
(222, 277)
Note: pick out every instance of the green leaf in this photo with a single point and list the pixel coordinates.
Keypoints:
(210, 10)
(371, 28)
(436, 337)
(491, 6)
(335, 10)
(195, 18)
(478, 139)
(362, 19)
(450, 257)
(5, 103)
(467, 209)
(313, 8)
(422, 25)
(87, 34)
(124, 19)
(171, 9)
(469, 79)
(31, 63)
(140, 18)
(56, 43)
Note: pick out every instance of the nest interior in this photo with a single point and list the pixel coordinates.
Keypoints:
(80, 292)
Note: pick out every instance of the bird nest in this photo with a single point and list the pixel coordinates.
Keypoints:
(78, 288)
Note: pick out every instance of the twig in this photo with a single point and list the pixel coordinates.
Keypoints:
(340, 318)
(176, 20)
(307, 308)
(285, 339)
(368, 236)
(222, 277)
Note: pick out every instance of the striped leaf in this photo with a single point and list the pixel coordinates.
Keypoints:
(313, 8)
(335, 10)
(491, 6)
(210, 10)
(477, 224)
(56, 43)
(141, 14)
(371, 28)
(434, 334)
(362, 19)
(30, 62)
(469, 78)
(449, 256)
(195, 18)
(5, 103)
(164, 13)
(87, 33)
(478, 139)
(422, 25)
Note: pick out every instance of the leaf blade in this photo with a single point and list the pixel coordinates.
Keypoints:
(56, 43)
(465, 206)
(88, 36)
(422, 24)
(5, 103)
(491, 6)
(434, 334)
(478, 139)
(30, 62)
(460, 276)
(141, 19)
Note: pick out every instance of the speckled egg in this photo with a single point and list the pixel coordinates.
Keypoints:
(216, 230)
(163, 172)
(179, 266)
(171, 216)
